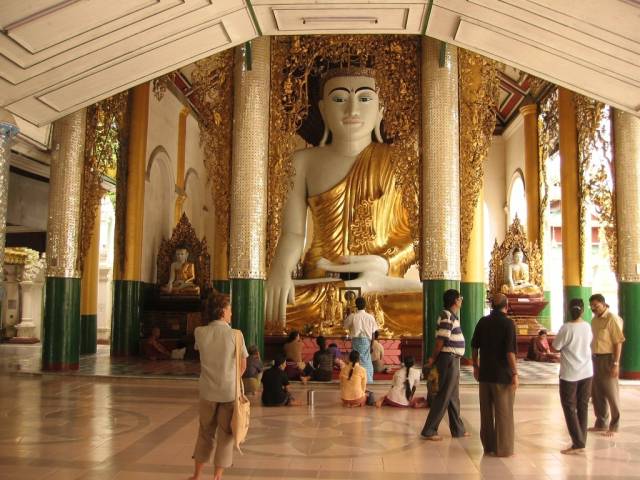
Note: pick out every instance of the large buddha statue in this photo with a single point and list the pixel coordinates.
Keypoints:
(517, 276)
(360, 225)
(182, 275)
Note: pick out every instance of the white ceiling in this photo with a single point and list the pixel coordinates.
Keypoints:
(59, 55)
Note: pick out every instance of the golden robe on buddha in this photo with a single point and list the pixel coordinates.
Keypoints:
(361, 215)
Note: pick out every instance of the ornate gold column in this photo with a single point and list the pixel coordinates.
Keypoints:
(572, 250)
(626, 149)
(440, 179)
(180, 176)
(61, 329)
(89, 291)
(248, 228)
(8, 130)
(128, 290)
(531, 170)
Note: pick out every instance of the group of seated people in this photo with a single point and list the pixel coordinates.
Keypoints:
(353, 377)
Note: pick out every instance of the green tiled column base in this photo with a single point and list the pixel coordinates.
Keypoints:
(629, 306)
(125, 325)
(223, 286)
(432, 306)
(88, 334)
(571, 291)
(247, 306)
(475, 296)
(545, 315)
(61, 327)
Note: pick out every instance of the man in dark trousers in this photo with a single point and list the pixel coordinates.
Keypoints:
(446, 355)
(495, 368)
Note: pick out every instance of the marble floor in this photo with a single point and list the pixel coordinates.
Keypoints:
(81, 427)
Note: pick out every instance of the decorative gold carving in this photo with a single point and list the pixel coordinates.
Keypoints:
(515, 237)
(159, 85)
(478, 86)
(212, 83)
(361, 229)
(548, 142)
(298, 59)
(105, 129)
(596, 172)
(184, 235)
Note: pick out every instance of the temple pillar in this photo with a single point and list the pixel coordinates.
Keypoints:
(61, 329)
(128, 288)
(531, 173)
(626, 148)
(8, 130)
(181, 164)
(572, 251)
(89, 291)
(440, 181)
(248, 226)
(472, 286)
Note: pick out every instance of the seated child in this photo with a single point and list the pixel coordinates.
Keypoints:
(275, 390)
(337, 356)
(353, 382)
(153, 348)
(403, 387)
(253, 374)
(322, 362)
(377, 354)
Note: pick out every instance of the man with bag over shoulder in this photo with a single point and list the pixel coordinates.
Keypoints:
(446, 355)
(217, 344)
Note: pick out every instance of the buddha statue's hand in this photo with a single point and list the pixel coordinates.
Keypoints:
(279, 291)
(373, 264)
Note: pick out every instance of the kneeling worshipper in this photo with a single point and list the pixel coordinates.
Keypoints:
(275, 386)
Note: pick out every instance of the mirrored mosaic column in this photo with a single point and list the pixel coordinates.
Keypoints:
(8, 130)
(626, 135)
(440, 180)
(61, 328)
(570, 193)
(247, 242)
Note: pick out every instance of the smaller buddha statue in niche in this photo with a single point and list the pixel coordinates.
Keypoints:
(517, 276)
(182, 275)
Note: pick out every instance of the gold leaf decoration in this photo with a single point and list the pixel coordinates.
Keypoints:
(596, 174)
(212, 82)
(478, 98)
(106, 130)
(295, 60)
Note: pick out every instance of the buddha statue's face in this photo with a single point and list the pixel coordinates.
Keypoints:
(517, 256)
(182, 255)
(350, 107)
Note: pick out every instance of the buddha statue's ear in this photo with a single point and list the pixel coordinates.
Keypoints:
(325, 133)
(376, 131)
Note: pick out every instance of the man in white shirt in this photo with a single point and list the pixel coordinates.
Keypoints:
(361, 326)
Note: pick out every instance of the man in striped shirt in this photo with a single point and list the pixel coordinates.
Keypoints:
(446, 355)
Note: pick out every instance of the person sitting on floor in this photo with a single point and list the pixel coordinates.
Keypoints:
(403, 387)
(539, 350)
(353, 382)
(153, 349)
(275, 385)
(337, 355)
(322, 362)
(377, 354)
(253, 374)
(296, 368)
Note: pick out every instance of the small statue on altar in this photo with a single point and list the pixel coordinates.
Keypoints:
(182, 275)
(518, 282)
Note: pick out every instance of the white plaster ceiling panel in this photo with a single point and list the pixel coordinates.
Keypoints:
(102, 35)
(561, 45)
(37, 32)
(563, 71)
(15, 84)
(154, 60)
(286, 18)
